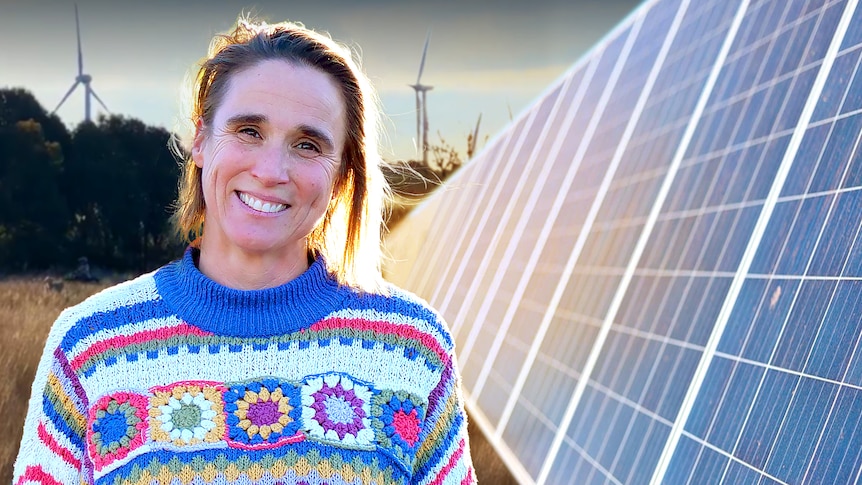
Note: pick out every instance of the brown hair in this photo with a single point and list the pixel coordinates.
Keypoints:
(349, 236)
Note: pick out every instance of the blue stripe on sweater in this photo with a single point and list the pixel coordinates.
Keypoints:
(61, 424)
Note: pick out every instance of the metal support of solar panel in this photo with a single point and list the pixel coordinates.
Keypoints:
(654, 274)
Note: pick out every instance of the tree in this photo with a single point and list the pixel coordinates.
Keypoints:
(33, 213)
(121, 181)
(17, 104)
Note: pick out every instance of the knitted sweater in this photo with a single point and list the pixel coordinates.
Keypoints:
(175, 379)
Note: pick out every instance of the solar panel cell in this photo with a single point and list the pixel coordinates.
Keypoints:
(800, 429)
(839, 453)
(840, 232)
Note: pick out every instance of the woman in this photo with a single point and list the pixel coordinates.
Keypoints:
(272, 352)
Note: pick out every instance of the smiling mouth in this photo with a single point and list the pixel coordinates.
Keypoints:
(260, 205)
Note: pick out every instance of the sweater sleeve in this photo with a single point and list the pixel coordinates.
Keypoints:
(443, 458)
(53, 445)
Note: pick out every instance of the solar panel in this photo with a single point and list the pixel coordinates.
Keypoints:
(653, 274)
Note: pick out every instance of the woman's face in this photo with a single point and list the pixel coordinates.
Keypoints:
(269, 160)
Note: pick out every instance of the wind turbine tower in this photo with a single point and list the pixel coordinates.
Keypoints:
(82, 78)
(422, 106)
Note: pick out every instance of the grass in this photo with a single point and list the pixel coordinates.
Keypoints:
(28, 308)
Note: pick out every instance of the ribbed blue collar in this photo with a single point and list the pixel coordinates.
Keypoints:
(202, 302)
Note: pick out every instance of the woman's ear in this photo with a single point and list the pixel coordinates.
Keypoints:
(198, 144)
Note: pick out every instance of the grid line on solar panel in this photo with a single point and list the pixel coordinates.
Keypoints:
(578, 157)
(698, 475)
(420, 225)
(713, 76)
(841, 79)
(594, 466)
(594, 118)
(477, 179)
(809, 377)
(511, 209)
(839, 140)
(474, 207)
(454, 296)
(543, 475)
(633, 117)
(753, 243)
(443, 206)
(761, 91)
(598, 439)
(589, 129)
(798, 373)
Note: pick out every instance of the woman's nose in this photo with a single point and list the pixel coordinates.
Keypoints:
(272, 167)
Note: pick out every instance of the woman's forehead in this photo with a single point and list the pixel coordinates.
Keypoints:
(284, 93)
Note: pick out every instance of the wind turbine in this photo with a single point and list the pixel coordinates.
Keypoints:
(82, 78)
(421, 105)
(471, 145)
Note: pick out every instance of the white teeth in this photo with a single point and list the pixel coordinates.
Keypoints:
(259, 205)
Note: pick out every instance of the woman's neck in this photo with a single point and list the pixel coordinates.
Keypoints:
(250, 271)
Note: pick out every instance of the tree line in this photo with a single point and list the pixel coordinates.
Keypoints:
(103, 191)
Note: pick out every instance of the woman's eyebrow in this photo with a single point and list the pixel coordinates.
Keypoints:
(246, 118)
(317, 134)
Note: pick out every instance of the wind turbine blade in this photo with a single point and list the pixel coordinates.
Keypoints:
(66, 96)
(99, 99)
(424, 52)
(80, 53)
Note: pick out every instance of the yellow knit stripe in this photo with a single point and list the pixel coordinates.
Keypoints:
(64, 405)
(437, 436)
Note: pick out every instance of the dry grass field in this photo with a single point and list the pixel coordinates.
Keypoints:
(28, 307)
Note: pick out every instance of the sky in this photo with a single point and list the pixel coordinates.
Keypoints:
(485, 57)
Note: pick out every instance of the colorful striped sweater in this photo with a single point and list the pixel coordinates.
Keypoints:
(171, 378)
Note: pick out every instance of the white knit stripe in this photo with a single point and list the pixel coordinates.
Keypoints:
(59, 437)
(388, 369)
(57, 468)
(397, 319)
(139, 290)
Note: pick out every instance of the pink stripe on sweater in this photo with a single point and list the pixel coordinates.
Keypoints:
(136, 338)
(35, 473)
(55, 447)
(405, 331)
(469, 478)
(453, 460)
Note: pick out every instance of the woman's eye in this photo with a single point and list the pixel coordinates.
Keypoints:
(250, 132)
(307, 146)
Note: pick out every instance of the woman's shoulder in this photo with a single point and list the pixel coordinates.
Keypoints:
(400, 307)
